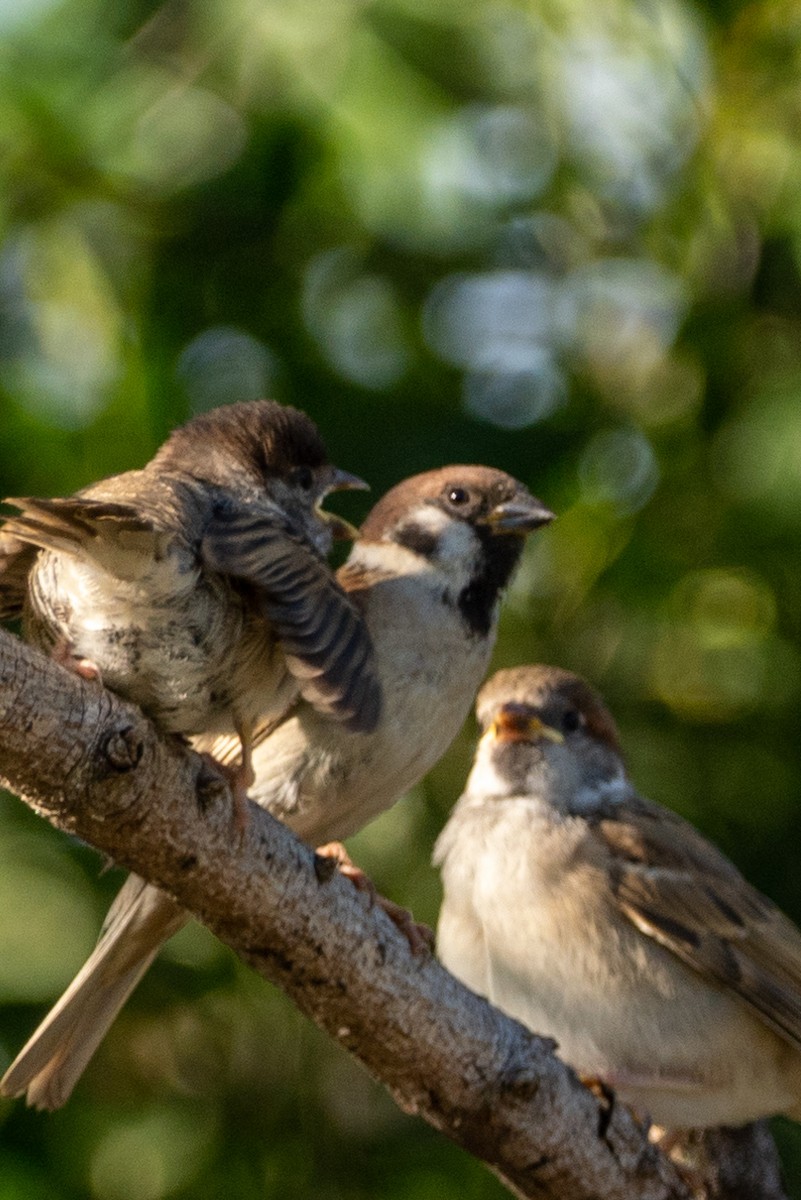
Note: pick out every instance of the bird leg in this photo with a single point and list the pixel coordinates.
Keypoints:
(606, 1097)
(244, 777)
(687, 1151)
(681, 1146)
(62, 653)
(419, 937)
(239, 776)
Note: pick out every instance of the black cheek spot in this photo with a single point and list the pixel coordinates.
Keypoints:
(417, 539)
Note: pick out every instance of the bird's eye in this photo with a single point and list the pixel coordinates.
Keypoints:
(303, 478)
(571, 720)
(458, 495)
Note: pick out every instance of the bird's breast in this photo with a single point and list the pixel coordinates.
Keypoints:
(177, 641)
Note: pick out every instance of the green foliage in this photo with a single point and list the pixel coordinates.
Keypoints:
(562, 238)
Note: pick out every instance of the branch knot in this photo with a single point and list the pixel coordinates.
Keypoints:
(123, 749)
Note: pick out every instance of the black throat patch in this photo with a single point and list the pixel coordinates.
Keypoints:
(500, 554)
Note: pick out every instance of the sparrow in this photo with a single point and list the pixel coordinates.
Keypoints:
(607, 922)
(197, 587)
(426, 575)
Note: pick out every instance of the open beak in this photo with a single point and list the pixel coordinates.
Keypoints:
(521, 515)
(517, 723)
(341, 530)
(341, 481)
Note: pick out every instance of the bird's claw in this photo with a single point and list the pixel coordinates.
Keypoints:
(419, 937)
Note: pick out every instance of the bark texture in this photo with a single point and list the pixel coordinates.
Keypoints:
(94, 766)
(736, 1164)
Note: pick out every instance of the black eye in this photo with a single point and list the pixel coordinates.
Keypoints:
(303, 478)
(571, 721)
(458, 496)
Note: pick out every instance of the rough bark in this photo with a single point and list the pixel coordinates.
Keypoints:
(745, 1164)
(96, 767)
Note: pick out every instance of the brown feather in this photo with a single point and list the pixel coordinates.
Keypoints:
(680, 890)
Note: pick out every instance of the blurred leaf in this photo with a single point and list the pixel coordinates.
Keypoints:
(561, 238)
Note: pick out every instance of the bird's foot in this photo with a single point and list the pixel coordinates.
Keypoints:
(599, 1088)
(336, 858)
(419, 937)
(62, 653)
(239, 778)
(687, 1151)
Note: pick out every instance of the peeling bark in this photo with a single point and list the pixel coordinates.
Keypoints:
(95, 767)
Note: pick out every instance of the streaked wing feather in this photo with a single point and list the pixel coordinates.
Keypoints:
(678, 889)
(115, 535)
(323, 637)
(16, 560)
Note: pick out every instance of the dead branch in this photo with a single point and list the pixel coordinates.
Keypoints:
(95, 767)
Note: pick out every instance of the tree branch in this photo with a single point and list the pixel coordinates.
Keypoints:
(95, 767)
(743, 1164)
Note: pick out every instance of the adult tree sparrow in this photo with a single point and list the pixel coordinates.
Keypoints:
(426, 574)
(197, 587)
(609, 923)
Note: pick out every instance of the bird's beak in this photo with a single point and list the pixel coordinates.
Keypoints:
(517, 723)
(341, 481)
(521, 515)
(341, 530)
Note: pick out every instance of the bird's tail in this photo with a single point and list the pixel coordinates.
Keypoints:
(50, 1064)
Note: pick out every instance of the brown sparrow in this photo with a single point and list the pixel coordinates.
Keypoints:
(600, 919)
(426, 574)
(197, 587)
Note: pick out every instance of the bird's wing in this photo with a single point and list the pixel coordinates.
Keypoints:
(16, 560)
(114, 534)
(678, 889)
(322, 634)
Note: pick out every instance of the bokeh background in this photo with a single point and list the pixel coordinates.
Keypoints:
(557, 236)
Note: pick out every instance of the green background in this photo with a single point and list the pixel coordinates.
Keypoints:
(560, 237)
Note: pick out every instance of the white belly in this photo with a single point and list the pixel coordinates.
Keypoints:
(179, 643)
(621, 1007)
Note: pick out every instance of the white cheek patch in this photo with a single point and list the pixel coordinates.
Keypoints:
(453, 556)
(386, 558)
(457, 542)
(457, 546)
(430, 518)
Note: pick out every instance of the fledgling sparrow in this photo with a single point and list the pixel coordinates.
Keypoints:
(197, 587)
(426, 574)
(600, 919)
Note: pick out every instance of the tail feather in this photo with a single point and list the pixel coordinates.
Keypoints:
(48, 1067)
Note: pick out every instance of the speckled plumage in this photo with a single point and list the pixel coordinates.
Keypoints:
(187, 582)
(323, 780)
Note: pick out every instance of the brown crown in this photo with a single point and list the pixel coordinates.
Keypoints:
(495, 486)
(263, 436)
